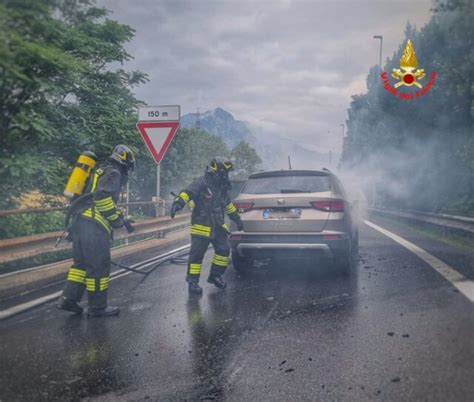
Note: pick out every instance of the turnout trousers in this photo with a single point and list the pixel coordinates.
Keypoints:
(199, 245)
(91, 264)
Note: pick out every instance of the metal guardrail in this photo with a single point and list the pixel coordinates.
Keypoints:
(20, 211)
(29, 283)
(461, 224)
(29, 280)
(456, 218)
(29, 246)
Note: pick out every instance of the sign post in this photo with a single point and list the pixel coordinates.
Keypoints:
(157, 125)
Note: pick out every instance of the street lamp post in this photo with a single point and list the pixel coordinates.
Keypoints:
(374, 189)
(380, 54)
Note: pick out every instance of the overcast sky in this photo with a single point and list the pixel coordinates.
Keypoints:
(289, 66)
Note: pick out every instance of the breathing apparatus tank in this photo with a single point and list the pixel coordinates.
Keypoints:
(80, 173)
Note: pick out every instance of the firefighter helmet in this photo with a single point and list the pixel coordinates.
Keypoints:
(218, 165)
(220, 168)
(124, 155)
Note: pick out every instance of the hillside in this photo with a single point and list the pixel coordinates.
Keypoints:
(273, 149)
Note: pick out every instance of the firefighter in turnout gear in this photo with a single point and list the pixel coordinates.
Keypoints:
(94, 216)
(210, 196)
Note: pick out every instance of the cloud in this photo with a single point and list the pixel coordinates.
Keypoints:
(290, 66)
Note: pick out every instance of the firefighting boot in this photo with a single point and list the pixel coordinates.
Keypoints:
(69, 305)
(103, 312)
(217, 281)
(194, 288)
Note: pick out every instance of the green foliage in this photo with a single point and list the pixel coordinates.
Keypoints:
(62, 92)
(189, 154)
(29, 224)
(420, 153)
(59, 94)
(246, 160)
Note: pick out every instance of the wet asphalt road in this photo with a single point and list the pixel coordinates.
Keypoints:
(396, 330)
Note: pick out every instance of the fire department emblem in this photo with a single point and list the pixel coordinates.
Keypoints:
(408, 74)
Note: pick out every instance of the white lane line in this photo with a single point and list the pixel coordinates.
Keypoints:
(459, 281)
(269, 314)
(20, 308)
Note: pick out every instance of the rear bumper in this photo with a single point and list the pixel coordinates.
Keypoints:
(327, 244)
(246, 248)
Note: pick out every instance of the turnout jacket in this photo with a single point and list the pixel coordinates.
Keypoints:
(105, 185)
(211, 201)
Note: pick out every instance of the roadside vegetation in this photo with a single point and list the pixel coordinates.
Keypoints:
(419, 153)
(63, 90)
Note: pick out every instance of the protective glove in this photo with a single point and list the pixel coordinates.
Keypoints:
(128, 225)
(118, 223)
(175, 207)
(240, 225)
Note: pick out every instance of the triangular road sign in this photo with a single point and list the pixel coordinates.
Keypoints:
(158, 136)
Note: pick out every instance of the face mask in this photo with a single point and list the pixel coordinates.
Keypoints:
(124, 179)
(224, 178)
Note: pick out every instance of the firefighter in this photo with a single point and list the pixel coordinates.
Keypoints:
(210, 196)
(93, 221)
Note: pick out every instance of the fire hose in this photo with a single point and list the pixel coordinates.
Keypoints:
(145, 273)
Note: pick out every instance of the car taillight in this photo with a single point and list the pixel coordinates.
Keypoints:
(331, 237)
(243, 206)
(329, 205)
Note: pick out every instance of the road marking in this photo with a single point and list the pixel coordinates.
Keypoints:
(20, 308)
(459, 281)
(269, 314)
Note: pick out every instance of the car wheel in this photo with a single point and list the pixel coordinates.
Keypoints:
(355, 246)
(241, 264)
(344, 262)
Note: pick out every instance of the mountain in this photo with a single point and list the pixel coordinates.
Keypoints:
(273, 149)
(222, 124)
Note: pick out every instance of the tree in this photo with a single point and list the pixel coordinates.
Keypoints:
(245, 159)
(187, 158)
(59, 92)
(419, 153)
(189, 154)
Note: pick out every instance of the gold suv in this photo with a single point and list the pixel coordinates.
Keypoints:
(294, 213)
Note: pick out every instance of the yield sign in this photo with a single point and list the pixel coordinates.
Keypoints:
(157, 136)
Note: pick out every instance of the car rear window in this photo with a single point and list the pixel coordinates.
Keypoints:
(287, 184)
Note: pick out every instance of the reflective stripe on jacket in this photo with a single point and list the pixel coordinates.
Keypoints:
(211, 203)
(105, 184)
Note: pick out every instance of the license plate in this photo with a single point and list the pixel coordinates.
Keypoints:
(290, 214)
